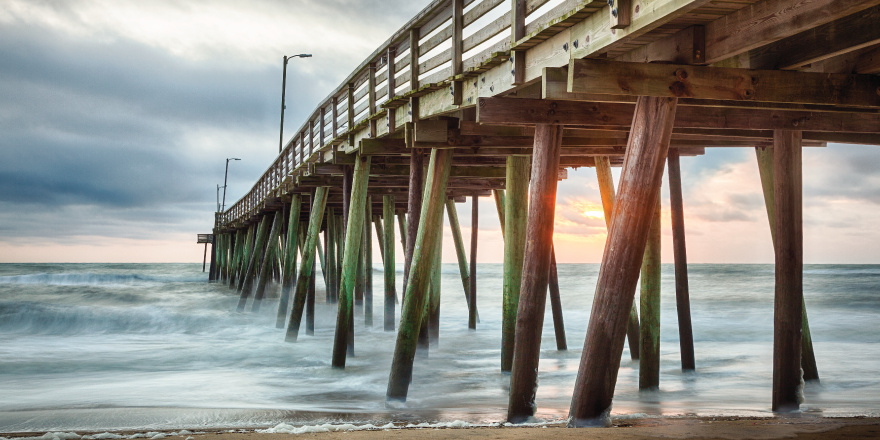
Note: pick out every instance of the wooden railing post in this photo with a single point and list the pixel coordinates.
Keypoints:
(391, 85)
(517, 31)
(457, 37)
(371, 97)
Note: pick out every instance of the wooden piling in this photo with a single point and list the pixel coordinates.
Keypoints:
(765, 166)
(352, 251)
(321, 258)
(388, 261)
(649, 306)
(606, 191)
(639, 187)
(434, 298)
(498, 194)
(416, 170)
(415, 299)
(535, 269)
(380, 236)
(255, 260)
(682, 292)
(556, 303)
(452, 213)
(268, 261)
(331, 257)
(247, 250)
(316, 215)
(789, 298)
(515, 217)
(368, 263)
(212, 271)
(472, 285)
(289, 260)
(236, 256)
(310, 300)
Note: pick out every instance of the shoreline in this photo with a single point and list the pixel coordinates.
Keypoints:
(800, 426)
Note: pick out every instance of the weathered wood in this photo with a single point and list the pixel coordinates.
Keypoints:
(498, 195)
(452, 213)
(556, 304)
(722, 83)
(310, 300)
(416, 167)
(604, 114)
(534, 270)
(682, 293)
(289, 260)
(649, 306)
(434, 294)
(316, 216)
(259, 245)
(388, 261)
(619, 273)
(331, 257)
(343, 341)
(457, 37)
(416, 297)
(515, 218)
(380, 236)
(788, 310)
(322, 258)
(236, 256)
(472, 285)
(606, 192)
(765, 167)
(517, 31)
(246, 250)
(368, 263)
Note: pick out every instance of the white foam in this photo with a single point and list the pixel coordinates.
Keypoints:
(157, 436)
(137, 435)
(184, 432)
(59, 435)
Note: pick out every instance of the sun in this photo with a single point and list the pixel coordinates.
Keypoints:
(594, 214)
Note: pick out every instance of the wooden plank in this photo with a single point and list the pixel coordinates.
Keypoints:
(771, 20)
(721, 83)
(638, 189)
(687, 46)
(534, 273)
(834, 38)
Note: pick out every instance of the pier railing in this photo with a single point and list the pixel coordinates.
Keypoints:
(433, 51)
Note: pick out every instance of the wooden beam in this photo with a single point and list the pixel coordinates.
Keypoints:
(598, 114)
(722, 83)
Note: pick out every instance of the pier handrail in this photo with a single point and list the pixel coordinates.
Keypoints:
(364, 95)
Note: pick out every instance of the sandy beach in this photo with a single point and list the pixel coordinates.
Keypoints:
(728, 428)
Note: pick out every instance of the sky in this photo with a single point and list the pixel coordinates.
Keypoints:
(116, 118)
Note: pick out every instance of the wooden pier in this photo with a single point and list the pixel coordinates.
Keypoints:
(433, 116)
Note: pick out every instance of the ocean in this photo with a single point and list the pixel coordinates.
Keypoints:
(155, 346)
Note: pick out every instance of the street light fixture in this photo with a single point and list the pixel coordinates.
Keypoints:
(283, 89)
(224, 181)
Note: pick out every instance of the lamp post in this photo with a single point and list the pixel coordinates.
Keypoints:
(218, 197)
(224, 181)
(283, 89)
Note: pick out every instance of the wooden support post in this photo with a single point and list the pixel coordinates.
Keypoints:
(401, 227)
(316, 215)
(248, 278)
(289, 260)
(223, 250)
(322, 259)
(556, 304)
(380, 236)
(498, 194)
(247, 250)
(213, 269)
(452, 213)
(339, 224)
(388, 261)
(331, 257)
(606, 190)
(368, 263)
(416, 171)
(535, 269)
(415, 299)
(433, 317)
(682, 293)
(639, 187)
(360, 277)
(343, 340)
(310, 301)
(472, 287)
(236, 256)
(205, 260)
(515, 217)
(789, 298)
(649, 306)
(268, 260)
(765, 166)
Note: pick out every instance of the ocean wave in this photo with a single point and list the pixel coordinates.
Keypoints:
(86, 278)
(36, 318)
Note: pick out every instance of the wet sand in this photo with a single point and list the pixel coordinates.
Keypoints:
(727, 428)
